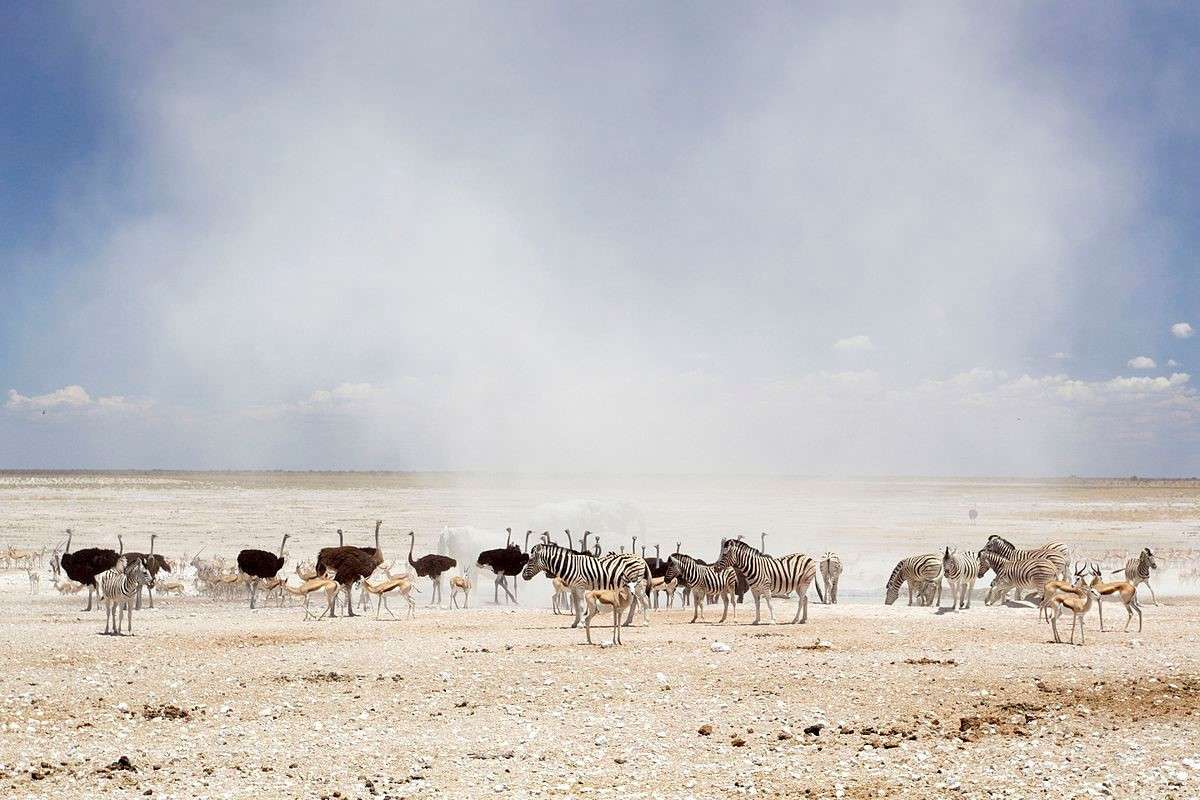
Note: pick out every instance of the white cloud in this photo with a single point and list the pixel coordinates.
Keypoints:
(860, 343)
(73, 398)
(1141, 362)
(1182, 330)
(1173, 363)
(1061, 356)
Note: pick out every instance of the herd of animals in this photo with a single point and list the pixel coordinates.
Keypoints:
(586, 580)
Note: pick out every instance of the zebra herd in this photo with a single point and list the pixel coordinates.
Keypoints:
(1041, 574)
(765, 577)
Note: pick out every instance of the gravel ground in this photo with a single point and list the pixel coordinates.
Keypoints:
(210, 699)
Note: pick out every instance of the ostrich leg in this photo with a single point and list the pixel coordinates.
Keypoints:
(91, 588)
(496, 594)
(253, 592)
(350, 601)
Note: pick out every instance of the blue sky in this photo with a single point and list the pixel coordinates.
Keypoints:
(890, 239)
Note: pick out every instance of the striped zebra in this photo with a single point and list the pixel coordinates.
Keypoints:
(1137, 570)
(1030, 573)
(1055, 551)
(582, 572)
(766, 576)
(916, 571)
(118, 586)
(703, 581)
(961, 571)
(831, 570)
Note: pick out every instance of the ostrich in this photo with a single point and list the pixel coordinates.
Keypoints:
(260, 565)
(973, 514)
(154, 563)
(658, 567)
(430, 566)
(83, 566)
(505, 561)
(763, 540)
(351, 565)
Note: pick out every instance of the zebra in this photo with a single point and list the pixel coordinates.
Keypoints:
(1055, 551)
(118, 586)
(766, 575)
(1137, 570)
(703, 581)
(584, 572)
(1028, 572)
(961, 571)
(916, 571)
(831, 570)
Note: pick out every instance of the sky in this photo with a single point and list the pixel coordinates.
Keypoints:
(826, 239)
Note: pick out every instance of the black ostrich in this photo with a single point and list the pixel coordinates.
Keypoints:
(658, 567)
(351, 565)
(505, 561)
(431, 566)
(155, 563)
(260, 565)
(83, 566)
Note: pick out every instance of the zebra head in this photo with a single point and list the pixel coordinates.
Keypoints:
(893, 585)
(734, 553)
(536, 563)
(948, 564)
(988, 559)
(672, 568)
(1148, 557)
(138, 572)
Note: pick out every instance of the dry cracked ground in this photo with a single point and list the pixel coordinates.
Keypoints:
(212, 700)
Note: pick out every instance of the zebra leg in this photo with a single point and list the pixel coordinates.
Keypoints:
(757, 608)
(910, 592)
(1153, 599)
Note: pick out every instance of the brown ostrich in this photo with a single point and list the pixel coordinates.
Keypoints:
(352, 564)
(431, 566)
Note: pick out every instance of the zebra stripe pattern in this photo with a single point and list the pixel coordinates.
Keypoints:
(581, 572)
(766, 575)
(1030, 572)
(703, 582)
(118, 586)
(831, 571)
(1055, 551)
(1137, 570)
(916, 571)
(961, 571)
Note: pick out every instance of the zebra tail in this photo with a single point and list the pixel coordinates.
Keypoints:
(820, 594)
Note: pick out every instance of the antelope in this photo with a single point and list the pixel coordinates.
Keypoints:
(1055, 587)
(460, 585)
(315, 585)
(402, 586)
(1122, 589)
(1079, 606)
(617, 599)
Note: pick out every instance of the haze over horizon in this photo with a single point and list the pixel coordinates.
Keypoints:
(628, 239)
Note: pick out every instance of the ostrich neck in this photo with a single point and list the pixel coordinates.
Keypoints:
(281, 545)
(412, 541)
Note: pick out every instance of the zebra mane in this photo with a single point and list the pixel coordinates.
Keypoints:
(754, 551)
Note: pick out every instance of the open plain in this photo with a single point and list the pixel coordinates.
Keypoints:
(210, 699)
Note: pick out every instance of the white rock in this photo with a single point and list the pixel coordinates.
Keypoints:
(720, 647)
